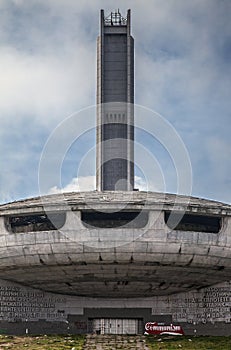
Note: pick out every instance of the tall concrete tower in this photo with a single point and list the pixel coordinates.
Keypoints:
(115, 98)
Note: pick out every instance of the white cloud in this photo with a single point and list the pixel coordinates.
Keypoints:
(87, 183)
(77, 184)
(45, 87)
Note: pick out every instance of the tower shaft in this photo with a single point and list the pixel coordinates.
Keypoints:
(115, 99)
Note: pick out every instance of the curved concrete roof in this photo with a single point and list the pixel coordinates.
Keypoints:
(126, 261)
(109, 197)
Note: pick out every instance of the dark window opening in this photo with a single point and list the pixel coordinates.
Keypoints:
(193, 222)
(36, 222)
(129, 219)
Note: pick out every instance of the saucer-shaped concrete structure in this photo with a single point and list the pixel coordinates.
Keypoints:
(115, 244)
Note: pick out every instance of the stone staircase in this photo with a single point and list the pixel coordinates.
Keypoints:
(112, 342)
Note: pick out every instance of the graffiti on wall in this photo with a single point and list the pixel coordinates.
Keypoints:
(208, 305)
(18, 303)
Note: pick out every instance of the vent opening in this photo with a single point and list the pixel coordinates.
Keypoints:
(193, 222)
(36, 222)
(129, 219)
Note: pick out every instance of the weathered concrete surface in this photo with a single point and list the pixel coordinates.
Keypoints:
(115, 262)
(206, 311)
(108, 342)
(115, 122)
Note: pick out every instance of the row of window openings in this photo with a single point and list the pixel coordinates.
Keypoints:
(122, 219)
(115, 117)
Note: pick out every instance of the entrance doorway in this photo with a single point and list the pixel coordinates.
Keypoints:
(115, 326)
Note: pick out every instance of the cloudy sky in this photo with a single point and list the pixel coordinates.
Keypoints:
(48, 72)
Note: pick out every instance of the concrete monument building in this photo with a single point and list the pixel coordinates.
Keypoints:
(111, 260)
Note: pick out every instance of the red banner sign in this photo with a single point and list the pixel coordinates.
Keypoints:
(160, 329)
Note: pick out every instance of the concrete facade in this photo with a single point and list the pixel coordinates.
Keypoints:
(116, 244)
(71, 262)
(22, 309)
(115, 98)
